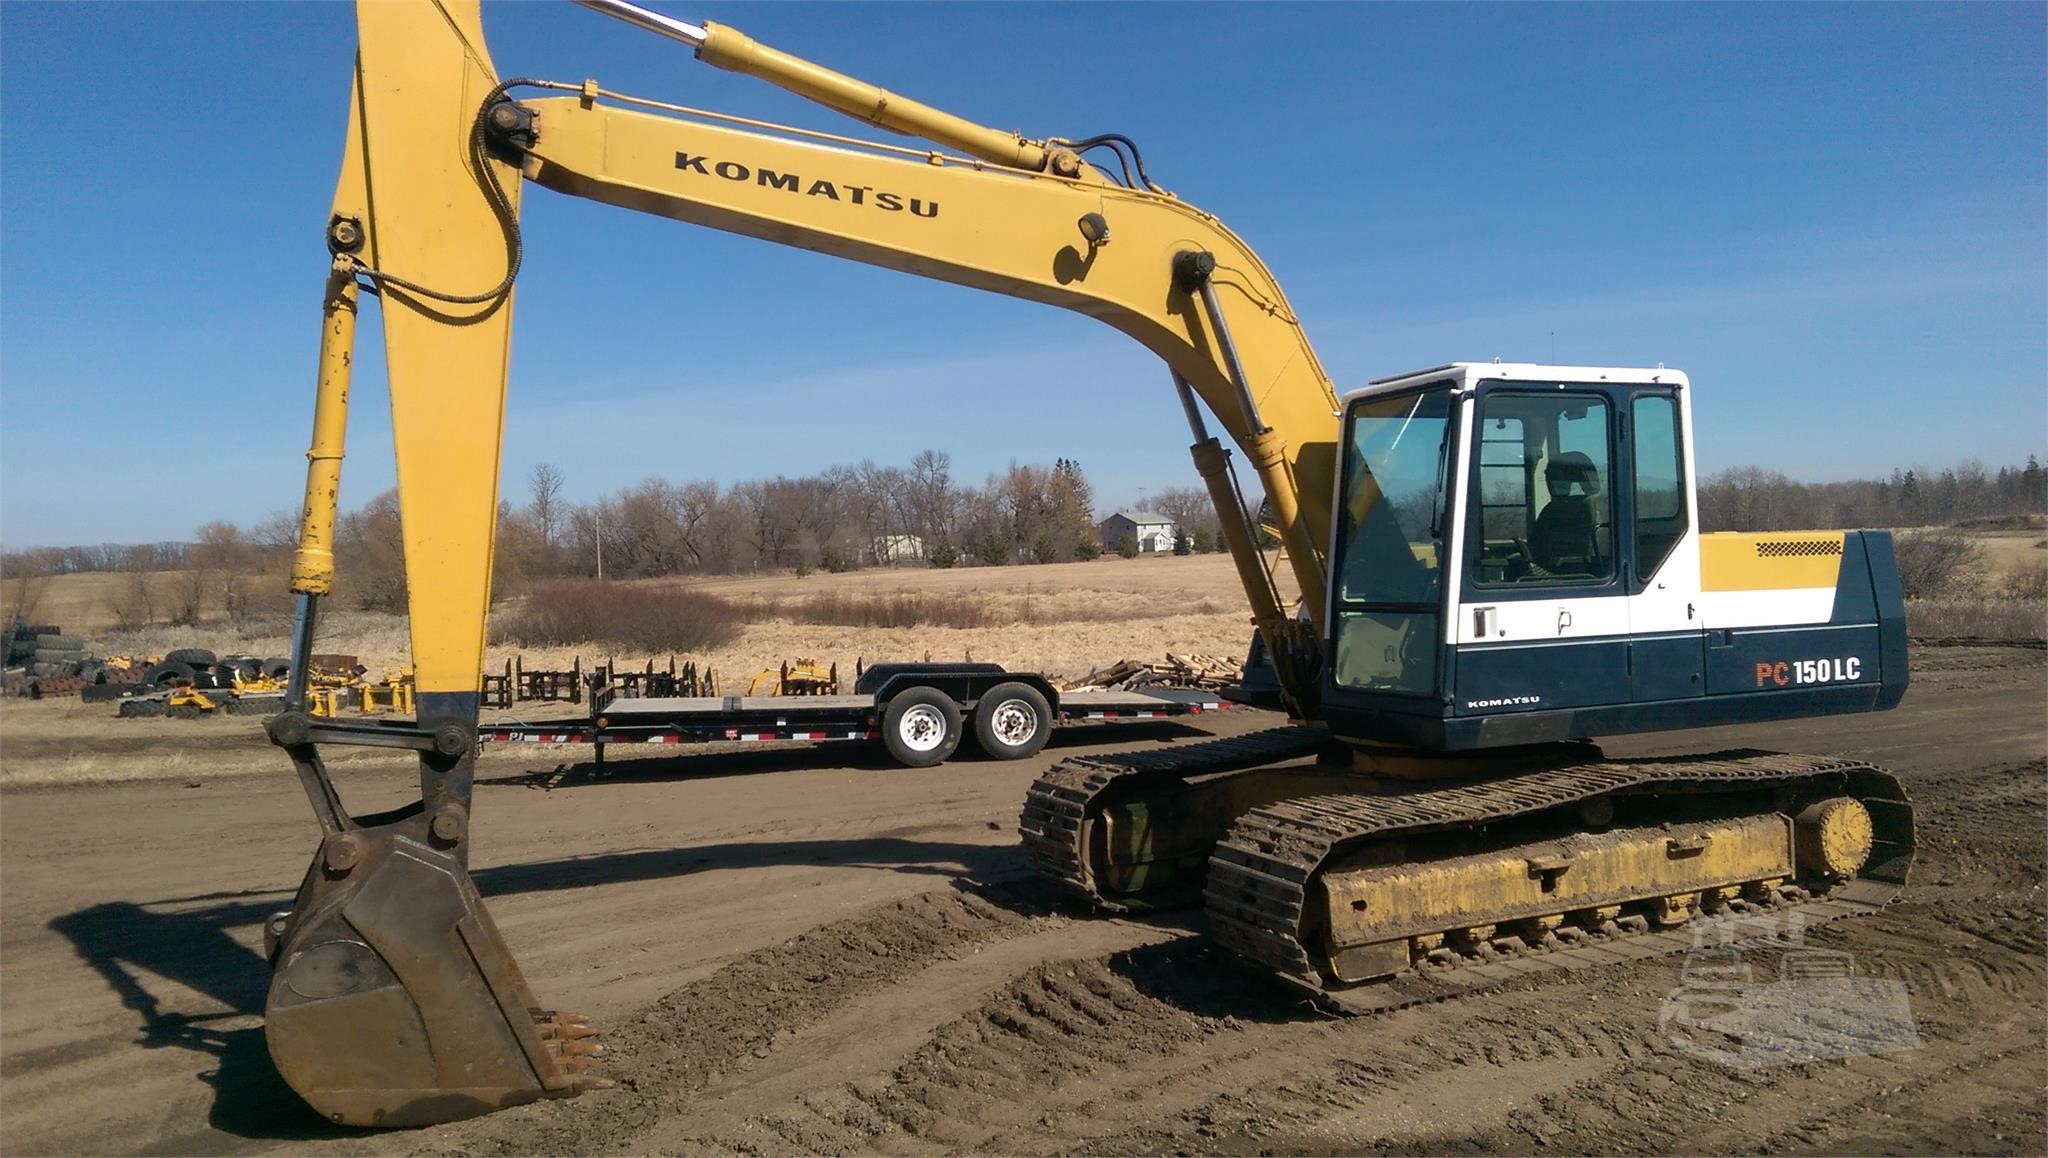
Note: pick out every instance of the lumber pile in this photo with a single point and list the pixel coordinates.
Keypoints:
(1208, 672)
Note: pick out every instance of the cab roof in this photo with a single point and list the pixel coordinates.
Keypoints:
(1466, 374)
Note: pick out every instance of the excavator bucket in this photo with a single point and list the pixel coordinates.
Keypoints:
(394, 1000)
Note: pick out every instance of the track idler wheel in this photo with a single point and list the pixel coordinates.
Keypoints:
(396, 1003)
(1834, 837)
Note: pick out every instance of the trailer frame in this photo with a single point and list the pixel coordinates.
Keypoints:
(617, 717)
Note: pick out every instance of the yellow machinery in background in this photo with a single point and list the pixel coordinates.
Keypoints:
(1494, 562)
(330, 694)
(804, 677)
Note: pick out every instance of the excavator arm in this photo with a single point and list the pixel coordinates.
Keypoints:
(395, 1002)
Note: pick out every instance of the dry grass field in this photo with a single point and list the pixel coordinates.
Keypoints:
(1062, 619)
(2009, 552)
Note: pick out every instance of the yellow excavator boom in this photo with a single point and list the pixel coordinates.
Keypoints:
(394, 1000)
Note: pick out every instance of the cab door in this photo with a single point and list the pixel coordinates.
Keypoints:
(1543, 613)
(1667, 644)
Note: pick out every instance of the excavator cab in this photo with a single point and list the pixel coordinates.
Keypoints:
(1518, 560)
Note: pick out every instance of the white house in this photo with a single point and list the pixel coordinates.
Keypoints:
(898, 549)
(1153, 531)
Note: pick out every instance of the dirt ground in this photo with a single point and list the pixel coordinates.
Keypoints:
(810, 951)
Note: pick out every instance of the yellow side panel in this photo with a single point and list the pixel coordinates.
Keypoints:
(1770, 560)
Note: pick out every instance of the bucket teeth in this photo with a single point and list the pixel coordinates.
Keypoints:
(585, 1074)
(568, 1040)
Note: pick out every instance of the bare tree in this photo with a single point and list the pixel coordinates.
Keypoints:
(544, 483)
(370, 555)
(276, 535)
(27, 577)
(1189, 508)
(930, 496)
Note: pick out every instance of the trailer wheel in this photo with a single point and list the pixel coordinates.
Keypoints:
(1012, 721)
(921, 727)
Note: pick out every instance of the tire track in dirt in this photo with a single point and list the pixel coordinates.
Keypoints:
(1391, 1081)
(737, 1016)
(1078, 1053)
(999, 1066)
(1674, 1102)
(1564, 1068)
(877, 1031)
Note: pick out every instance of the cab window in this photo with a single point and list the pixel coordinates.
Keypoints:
(1546, 506)
(1659, 488)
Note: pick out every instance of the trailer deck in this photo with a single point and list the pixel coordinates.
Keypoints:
(615, 719)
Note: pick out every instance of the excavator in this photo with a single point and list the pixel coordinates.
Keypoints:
(1496, 564)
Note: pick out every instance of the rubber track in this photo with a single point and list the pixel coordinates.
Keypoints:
(1259, 874)
(1058, 802)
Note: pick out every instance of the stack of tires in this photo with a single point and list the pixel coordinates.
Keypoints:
(195, 666)
(55, 654)
(21, 643)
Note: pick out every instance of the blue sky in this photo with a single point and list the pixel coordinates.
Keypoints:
(1833, 217)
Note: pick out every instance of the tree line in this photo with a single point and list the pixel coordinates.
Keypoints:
(1750, 499)
(844, 517)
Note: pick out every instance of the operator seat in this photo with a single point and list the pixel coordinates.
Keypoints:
(1564, 539)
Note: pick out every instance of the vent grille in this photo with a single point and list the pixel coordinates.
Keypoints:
(1785, 547)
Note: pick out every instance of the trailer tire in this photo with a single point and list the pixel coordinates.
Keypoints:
(1012, 721)
(921, 727)
(196, 656)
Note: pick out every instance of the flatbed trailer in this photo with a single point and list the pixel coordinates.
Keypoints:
(920, 712)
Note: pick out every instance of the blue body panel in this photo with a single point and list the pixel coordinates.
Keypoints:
(1617, 685)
